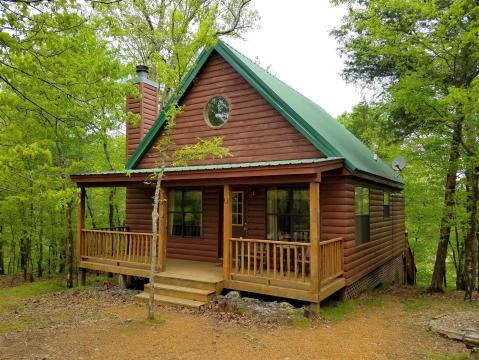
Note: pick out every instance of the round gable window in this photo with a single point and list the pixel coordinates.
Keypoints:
(217, 111)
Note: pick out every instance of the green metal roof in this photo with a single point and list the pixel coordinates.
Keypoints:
(216, 167)
(320, 128)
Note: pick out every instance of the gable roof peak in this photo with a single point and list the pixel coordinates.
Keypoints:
(311, 120)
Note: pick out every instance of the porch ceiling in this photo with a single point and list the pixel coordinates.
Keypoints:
(258, 172)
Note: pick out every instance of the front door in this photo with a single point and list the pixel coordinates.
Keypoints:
(238, 220)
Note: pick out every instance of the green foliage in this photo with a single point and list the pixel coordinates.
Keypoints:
(63, 66)
(168, 36)
(60, 98)
(200, 150)
(421, 60)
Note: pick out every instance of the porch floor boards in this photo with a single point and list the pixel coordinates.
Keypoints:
(187, 275)
(193, 270)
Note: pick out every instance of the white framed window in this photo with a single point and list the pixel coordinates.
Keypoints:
(217, 111)
(237, 211)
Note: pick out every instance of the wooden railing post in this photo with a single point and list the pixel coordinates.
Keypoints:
(162, 229)
(80, 222)
(314, 224)
(227, 231)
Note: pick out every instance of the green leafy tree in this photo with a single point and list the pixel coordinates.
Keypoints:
(167, 36)
(422, 59)
(172, 156)
(55, 71)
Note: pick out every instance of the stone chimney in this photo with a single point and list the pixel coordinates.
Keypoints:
(146, 106)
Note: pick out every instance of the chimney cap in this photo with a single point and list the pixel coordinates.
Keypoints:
(142, 76)
(141, 69)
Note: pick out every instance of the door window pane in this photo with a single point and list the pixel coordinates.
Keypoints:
(237, 205)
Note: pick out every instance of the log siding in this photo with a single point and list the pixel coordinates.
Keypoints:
(387, 239)
(255, 131)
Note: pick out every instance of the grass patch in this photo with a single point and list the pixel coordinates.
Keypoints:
(340, 310)
(459, 356)
(418, 304)
(450, 301)
(21, 323)
(13, 296)
(300, 322)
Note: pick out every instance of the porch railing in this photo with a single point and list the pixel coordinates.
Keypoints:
(280, 260)
(331, 259)
(284, 260)
(116, 245)
(115, 228)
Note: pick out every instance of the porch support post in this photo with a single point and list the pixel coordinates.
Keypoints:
(314, 227)
(80, 223)
(226, 230)
(162, 229)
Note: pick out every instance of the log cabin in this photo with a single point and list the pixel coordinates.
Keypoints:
(301, 210)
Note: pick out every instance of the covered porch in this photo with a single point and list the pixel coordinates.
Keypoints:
(295, 264)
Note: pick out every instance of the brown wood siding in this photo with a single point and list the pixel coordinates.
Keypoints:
(139, 204)
(147, 107)
(337, 210)
(254, 132)
(206, 247)
(337, 219)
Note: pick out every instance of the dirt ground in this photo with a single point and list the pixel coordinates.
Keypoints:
(96, 324)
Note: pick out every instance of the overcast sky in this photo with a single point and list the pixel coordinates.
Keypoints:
(294, 39)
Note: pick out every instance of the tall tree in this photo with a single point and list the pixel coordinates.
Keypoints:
(167, 35)
(55, 71)
(416, 55)
(170, 155)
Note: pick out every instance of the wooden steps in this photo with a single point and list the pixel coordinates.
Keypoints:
(182, 292)
(171, 301)
(188, 289)
(185, 281)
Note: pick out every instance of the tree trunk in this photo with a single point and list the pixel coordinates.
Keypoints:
(111, 208)
(90, 210)
(13, 252)
(439, 274)
(29, 258)
(49, 259)
(2, 268)
(40, 248)
(470, 239)
(154, 246)
(69, 246)
(23, 256)
(458, 257)
(69, 209)
(111, 195)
